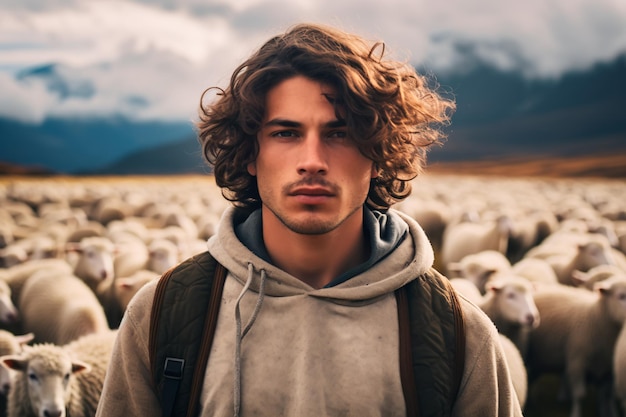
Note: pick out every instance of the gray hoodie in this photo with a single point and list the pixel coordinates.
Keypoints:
(283, 348)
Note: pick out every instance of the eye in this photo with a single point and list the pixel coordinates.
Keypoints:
(284, 134)
(32, 377)
(511, 295)
(66, 378)
(338, 134)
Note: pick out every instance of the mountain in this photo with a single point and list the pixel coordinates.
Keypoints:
(501, 115)
(179, 157)
(73, 145)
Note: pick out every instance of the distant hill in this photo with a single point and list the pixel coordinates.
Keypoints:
(180, 157)
(73, 145)
(502, 115)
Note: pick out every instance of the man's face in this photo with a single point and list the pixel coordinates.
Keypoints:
(311, 176)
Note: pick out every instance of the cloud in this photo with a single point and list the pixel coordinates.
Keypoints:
(153, 58)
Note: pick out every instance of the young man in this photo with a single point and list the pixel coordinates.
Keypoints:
(314, 139)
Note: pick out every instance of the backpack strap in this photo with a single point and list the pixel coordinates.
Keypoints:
(185, 307)
(431, 327)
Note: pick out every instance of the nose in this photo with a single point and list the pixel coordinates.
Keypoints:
(313, 155)
(53, 413)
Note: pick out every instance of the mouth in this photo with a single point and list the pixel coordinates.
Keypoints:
(311, 191)
(311, 195)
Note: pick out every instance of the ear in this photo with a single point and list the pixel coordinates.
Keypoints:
(80, 366)
(252, 168)
(73, 247)
(124, 282)
(14, 362)
(25, 338)
(374, 173)
(494, 286)
(579, 278)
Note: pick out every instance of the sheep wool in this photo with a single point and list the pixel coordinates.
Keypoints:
(85, 361)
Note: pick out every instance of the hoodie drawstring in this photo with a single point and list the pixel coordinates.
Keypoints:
(241, 334)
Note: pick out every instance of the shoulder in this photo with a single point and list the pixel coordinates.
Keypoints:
(137, 314)
(478, 325)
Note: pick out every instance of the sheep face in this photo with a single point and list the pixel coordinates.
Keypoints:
(594, 253)
(515, 301)
(95, 263)
(613, 293)
(10, 345)
(47, 374)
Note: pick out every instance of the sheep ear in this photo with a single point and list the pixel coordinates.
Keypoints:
(124, 282)
(80, 366)
(25, 338)
(14, 362)
(73, 247)
(494, 285)
(579, 277)
(603, 287)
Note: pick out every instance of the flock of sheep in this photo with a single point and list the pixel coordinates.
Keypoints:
(543, 258)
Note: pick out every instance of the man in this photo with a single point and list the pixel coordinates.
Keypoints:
(314, 139)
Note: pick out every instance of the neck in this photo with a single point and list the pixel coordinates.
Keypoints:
(316, 259)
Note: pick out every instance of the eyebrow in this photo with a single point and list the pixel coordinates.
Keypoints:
(291, 123)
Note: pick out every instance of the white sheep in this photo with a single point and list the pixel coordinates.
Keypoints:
(59, 381)
(517, 369)
(587, 279)
(509, 303)
(529, 229)
(10, 344)
(131, 255)
(91, 260)
(89, 229)
(432, 215)
(577, 335)
(535, 270)
(582, 253)
(207, 224)
(59, 308)
(127, 287)
(17, 275)
(163, 254)
(94, 263)
(115, 294)
(465, 238)
(12, 255)
(6, 231)
(467, 289)
(39, 245)
(479, 267)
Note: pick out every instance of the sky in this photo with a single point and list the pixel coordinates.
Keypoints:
(151, 59)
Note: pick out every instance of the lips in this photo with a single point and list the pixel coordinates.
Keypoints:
(314, 192)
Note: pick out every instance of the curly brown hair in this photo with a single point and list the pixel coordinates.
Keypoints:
(390, 111)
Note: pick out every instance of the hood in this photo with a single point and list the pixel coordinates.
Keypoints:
(412, 257)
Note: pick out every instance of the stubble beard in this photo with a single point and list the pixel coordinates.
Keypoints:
(313, 226)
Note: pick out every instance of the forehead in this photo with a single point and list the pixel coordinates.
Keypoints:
(299, 92)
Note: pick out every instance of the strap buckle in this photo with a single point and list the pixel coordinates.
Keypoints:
(173, 368)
